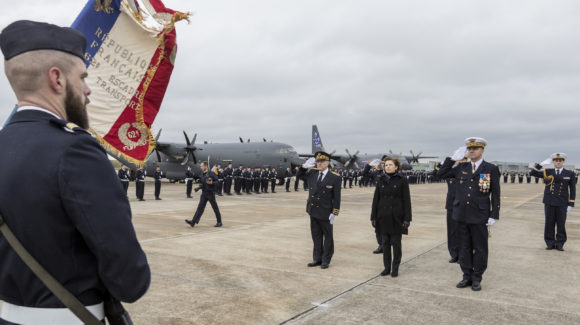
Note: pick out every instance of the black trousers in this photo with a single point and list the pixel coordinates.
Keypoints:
(296, 184)
(238, 184)
(265, 186)
(157, 188)
(379, 236)
(140, 189)
(249, 184)
(188, 187)
(355, 181)
(220, 186)
(257, 184)
(344, 182)
(203, 199)
(125, 186)
(452, 235)
(350, 183)
(393, 241)
(555, 222)
(228, 185)
(322, 239)
(473, 250)
(273, 185)
(287, 184)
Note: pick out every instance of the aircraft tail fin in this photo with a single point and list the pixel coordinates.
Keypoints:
(316, 141)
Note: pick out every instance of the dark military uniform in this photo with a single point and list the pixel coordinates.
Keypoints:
(228, 175)
(287, 178)
(273, 176)
(505, 177)
(265, 179)
(220, 183)
(158, 175)
(124, 178)
(257, 175)
(323, 200)
(188, 182)
(207, 194)
(238, 180)
(249, 181)
(452, 225)
(559, 194)
(471, 209)
(528, 178)
(76, 224)
(140, 183)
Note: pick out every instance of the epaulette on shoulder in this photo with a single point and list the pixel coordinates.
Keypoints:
(335, 173)
(68, 126)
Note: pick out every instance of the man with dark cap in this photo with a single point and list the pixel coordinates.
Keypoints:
(559, 199)
(77, 225)
(476, 206)
(323, 205)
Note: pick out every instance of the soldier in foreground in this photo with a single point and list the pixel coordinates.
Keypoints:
(323, 205)
(77, 225)
(476, 182)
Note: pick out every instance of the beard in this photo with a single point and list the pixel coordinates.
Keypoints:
(76, 110)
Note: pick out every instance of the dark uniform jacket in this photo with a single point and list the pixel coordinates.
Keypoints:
(391, 204)
(324, 199)
(205, 187)
(140, 175)
(560, 189)
(72, 215)
(123, 175)
(449, 178)
(477, 195)
(237, 173)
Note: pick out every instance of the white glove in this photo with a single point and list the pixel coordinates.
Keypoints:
(331, 218)
(491, 222)
(569, 209)
(375, 162)
(546, 162)
(459, 153)
(311, 162)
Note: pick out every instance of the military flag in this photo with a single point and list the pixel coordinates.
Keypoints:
(130, 54)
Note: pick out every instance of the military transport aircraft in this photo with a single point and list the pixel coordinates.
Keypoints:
(173, 158)
(357, 160)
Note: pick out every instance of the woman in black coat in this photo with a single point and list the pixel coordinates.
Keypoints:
(391, 212)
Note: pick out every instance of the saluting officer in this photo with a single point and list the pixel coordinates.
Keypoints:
(559, 197)
(76, 224)
(208, 183)
(140, 183)
(475, 182)
(124, 177)
(323, 205)
(188, 181)
(157, 176)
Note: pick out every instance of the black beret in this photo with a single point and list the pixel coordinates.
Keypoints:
(24, 35)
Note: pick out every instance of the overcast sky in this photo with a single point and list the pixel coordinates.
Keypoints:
(374, 75)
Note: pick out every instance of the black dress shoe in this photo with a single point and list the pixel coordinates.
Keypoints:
(189, 222)
(157, 198)
(219, 224)
(454, 260)
(324, 266)
(314, 263)
(189, 196)
(561, 249)
(395, 273)
(476, 286)
(385, 272)
(464, 284)
(550, 247)
(141, 199)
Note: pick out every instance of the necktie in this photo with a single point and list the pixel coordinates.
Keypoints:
(557, 172)
(320, 177)
(473, 168)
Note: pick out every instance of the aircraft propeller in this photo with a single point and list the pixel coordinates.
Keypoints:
(415, 159)
(189, 149)
(352, 158)
(156, 151)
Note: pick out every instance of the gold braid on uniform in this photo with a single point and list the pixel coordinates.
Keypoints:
(335, 212)
(548, 179)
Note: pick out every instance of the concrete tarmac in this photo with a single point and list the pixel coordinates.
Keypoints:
(253, 269)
